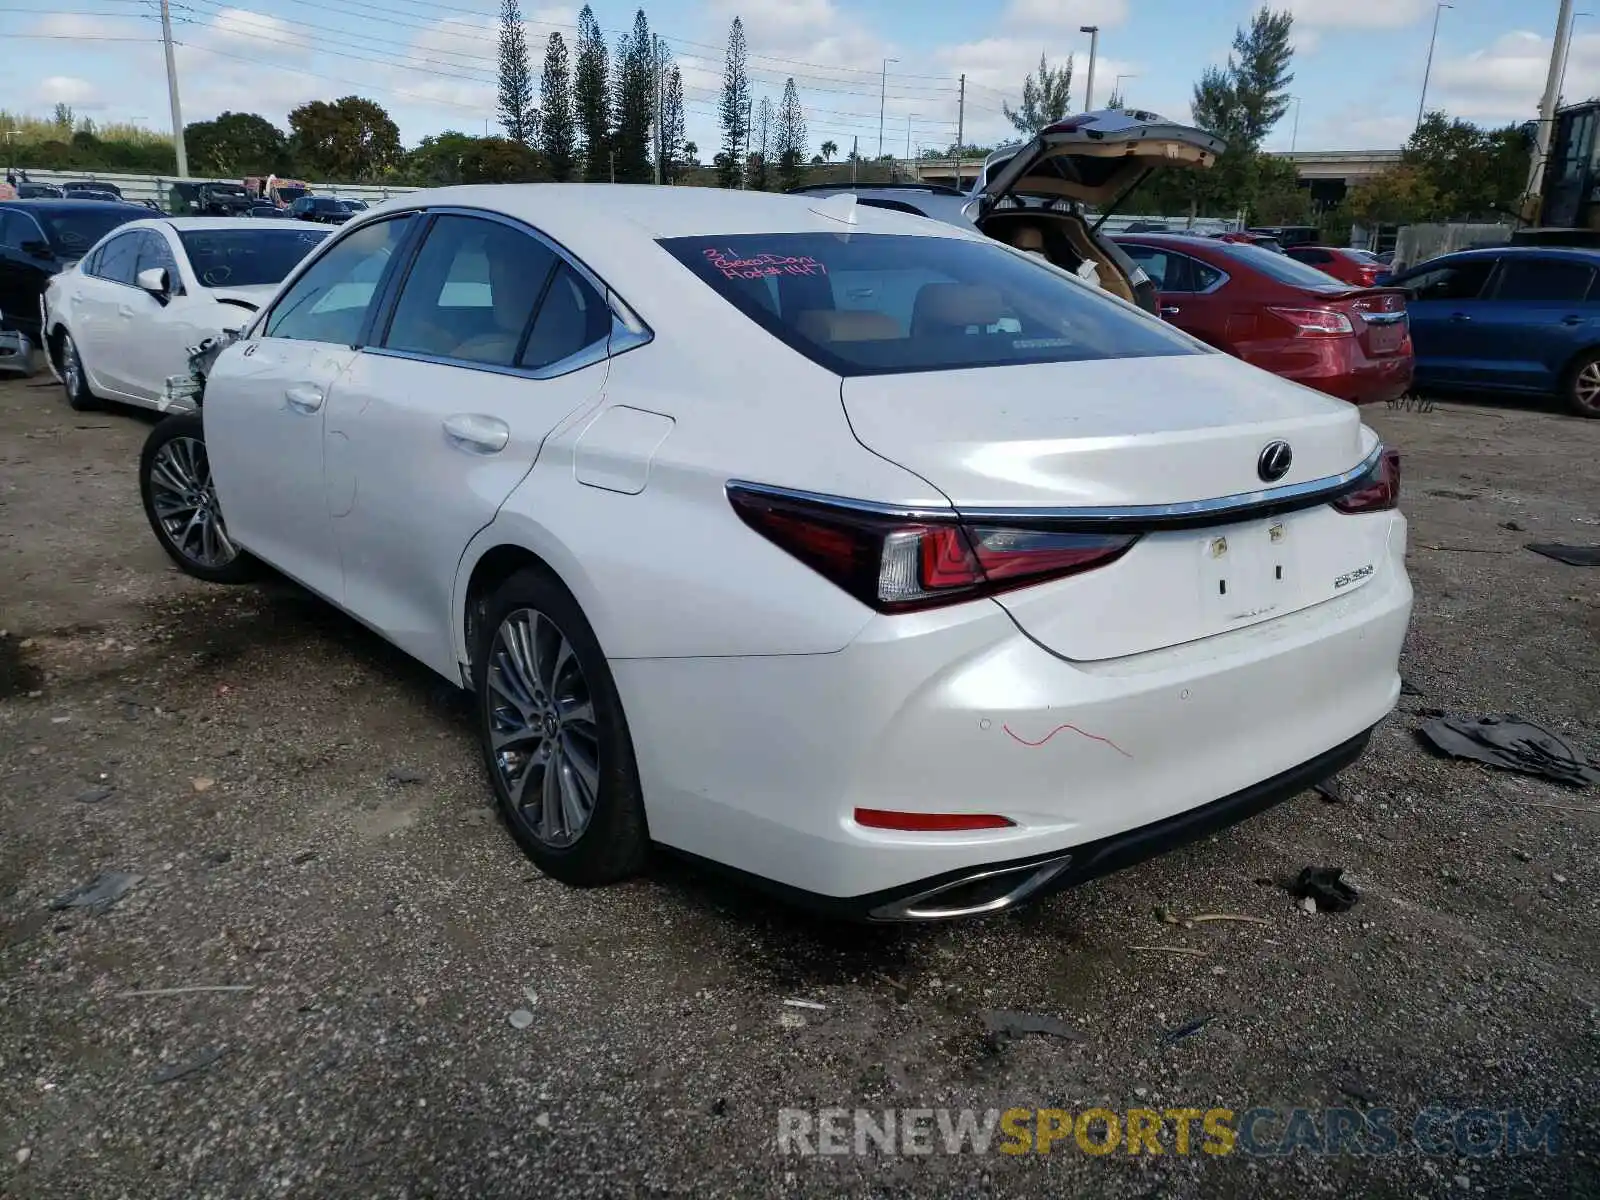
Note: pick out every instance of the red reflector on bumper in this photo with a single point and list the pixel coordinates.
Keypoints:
(877, 818)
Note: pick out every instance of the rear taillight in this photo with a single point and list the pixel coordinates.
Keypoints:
(1315, 322)
(896, 564)
(1379, 488)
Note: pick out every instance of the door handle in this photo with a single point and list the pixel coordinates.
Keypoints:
(486, 435)
(1460, 317)
(125, 311)
(304, 398)
(1168, 310)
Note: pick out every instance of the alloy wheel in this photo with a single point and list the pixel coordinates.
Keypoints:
(185, 503)
(542, 731)
(1586, 386)
(71, 367)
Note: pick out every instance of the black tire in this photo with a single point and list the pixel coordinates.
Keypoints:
(180, 440)
(614, 840)
(1580, 388)
(73, 377)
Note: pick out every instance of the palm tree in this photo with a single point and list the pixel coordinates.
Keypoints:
(829, 149)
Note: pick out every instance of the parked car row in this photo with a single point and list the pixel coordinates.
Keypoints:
(949, 506)
(969, 519)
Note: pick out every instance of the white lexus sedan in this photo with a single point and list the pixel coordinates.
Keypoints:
(121, 320)
(861, 555)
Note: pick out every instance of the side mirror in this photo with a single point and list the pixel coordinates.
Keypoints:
(156, 281)
(38, 249)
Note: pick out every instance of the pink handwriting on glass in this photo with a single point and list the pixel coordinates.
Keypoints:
(757, 266)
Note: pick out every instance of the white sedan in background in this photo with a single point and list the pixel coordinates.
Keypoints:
(120, 321)
(852, 551)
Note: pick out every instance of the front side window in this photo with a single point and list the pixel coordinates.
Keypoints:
(1544, 280)
(119, 258)
(862, 304)
(329, 303)
(247, 257)
(471, 293)
(1457, 281)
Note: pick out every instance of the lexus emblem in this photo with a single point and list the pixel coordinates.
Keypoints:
(1274, 462)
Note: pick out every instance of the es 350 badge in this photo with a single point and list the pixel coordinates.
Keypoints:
(1350, 577)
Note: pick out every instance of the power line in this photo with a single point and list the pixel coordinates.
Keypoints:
(477, 108)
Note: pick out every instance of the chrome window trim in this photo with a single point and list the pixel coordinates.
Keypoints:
(592, 353)
(1235, 507)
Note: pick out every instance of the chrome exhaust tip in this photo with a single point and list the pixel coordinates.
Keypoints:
(984, 891)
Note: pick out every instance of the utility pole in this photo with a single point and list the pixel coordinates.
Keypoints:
(1094, 45)
(1294, 135)
(961, 127)
(172, 91)
(1547, 114)
(855, 158)
(883, 95)
(1427, 69)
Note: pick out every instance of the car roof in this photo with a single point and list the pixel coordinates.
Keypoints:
(190, 224)
(609, 222)
(1579, 253)
(66, 204)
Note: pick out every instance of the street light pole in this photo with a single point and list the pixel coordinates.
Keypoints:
(1094, 45)
(1294, 135)
(1116, 88)
(1427, 70)
(909, 118)
(883, 94)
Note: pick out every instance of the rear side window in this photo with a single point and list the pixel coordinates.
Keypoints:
(572, 317)
(1306, 254)
(471, 293)
(862, 304)
(1282, 268)
(330, 301)
(1172, 272)
(1543, 280)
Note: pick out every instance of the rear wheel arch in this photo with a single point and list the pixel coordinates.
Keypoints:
(1568, 379)
(499, 562)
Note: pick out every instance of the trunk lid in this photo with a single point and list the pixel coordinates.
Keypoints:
(1378, 316)
(1024, 442)
(1094, 157)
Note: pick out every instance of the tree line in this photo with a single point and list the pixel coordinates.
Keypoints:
(601, 113)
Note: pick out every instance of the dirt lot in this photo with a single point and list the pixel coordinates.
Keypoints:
(246, 754)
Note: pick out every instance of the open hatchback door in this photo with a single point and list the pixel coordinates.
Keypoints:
(1030, 196)
(1095, 158)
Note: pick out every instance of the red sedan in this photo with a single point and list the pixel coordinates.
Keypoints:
(1281, 315)
(1355, 267)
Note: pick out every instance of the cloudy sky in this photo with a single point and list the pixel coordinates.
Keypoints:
(1358, 67)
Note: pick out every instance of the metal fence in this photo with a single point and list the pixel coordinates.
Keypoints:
(159, 187)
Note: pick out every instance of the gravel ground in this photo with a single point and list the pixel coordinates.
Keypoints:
(305, 813)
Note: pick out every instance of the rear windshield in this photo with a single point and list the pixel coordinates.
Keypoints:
(72, 233)
(1282, 268)
(870, 304)
(244, 257)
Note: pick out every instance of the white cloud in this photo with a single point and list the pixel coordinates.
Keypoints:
(238, 30)
(1360, 14)
(65, 89)
(1066, 14)
(1505, 81)
(72, 25)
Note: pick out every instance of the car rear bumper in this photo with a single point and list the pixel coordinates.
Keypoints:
(1339, 368)
(760, 763)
